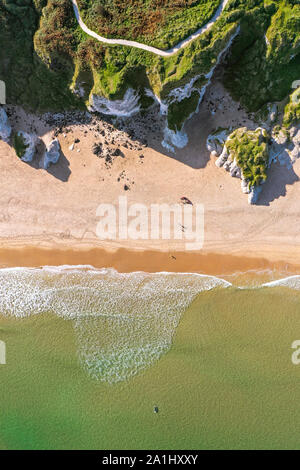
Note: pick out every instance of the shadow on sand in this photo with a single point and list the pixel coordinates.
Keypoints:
(279, 178)
(60, 170)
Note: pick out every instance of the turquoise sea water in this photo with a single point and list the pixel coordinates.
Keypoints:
(91, 352)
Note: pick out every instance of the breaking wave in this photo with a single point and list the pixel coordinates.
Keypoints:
(293, 282)
(123, 322)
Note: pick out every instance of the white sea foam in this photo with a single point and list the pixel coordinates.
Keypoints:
(123, 322)
(293, 282)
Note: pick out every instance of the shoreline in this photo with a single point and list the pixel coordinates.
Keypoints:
(126, 260)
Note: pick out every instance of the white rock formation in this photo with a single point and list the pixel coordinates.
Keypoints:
(173, 139)
(222, 158)
(285, 146)
(280, 138)
(295, 142)
(228, 162)
(126, 107)
(273, 110)
(215, 142)
(30, 142)
(130, 105)
(52, 153)
(254, 194)
(78, 89)
(181, 93)
(5, 127)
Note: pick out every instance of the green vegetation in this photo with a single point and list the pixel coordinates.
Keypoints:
(265, 58)
(44, 55)
(159, 23)
(179, 112)
(292, 110)
(19, 144)
(250, 150)
(36, 82)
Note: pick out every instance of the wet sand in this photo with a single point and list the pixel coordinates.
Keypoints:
(149, 261)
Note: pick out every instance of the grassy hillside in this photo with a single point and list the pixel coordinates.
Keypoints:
(160, 23)
(265, 59)
(45, 55)
(30, 81)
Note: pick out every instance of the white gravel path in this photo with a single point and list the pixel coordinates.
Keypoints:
(154, 50)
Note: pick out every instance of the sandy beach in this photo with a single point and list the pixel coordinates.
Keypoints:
(49, 217)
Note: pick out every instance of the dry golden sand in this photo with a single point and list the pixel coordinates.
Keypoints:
(49, 217)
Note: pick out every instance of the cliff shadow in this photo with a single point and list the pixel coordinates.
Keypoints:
(147, 130)
(197, 128)
(279, 177)
(216, 110)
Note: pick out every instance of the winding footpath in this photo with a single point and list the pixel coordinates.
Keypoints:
(139, 45)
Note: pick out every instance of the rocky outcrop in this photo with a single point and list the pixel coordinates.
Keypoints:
(215, 142)
(29, 142)
(125, 107)
(295, 139)
(234, 147)
(248, 154)
(273, 111)
(173, 139)
(253, 192)
(228, 162)
(5, 127)
(52, 154)
(285, 145)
